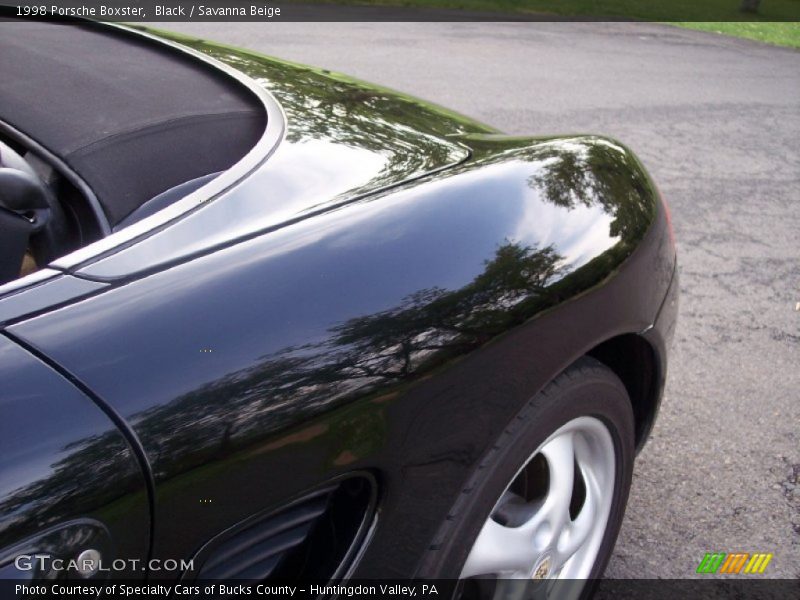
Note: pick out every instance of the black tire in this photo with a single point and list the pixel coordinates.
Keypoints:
(587, 388)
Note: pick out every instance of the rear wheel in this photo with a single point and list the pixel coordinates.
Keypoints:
(546, 502)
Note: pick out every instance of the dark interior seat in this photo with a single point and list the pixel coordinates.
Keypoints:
(30, 219)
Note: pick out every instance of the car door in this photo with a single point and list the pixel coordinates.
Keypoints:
(240, 445)
(73, 496)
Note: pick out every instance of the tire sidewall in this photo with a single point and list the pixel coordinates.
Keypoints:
(584, 390)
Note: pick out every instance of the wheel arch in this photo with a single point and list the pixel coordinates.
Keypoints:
(635, 361)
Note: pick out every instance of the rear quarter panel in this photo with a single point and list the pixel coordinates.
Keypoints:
(397, 334)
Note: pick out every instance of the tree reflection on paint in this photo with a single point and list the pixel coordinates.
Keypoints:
(360, 357)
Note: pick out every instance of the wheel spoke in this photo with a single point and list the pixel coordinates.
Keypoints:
(560, 455)
(576, 532)
(499, 550)
(512, 510)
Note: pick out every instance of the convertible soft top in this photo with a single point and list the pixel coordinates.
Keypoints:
(131, 117)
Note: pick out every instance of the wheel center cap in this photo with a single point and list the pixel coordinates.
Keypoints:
(542, 568)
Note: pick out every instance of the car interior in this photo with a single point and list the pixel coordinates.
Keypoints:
(139, 125)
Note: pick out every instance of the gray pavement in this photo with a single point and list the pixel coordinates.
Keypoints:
(717, 122)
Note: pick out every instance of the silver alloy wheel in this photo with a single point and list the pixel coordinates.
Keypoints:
(556, 535)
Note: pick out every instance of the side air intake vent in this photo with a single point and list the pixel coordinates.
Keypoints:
(313, 537)
(256, 551)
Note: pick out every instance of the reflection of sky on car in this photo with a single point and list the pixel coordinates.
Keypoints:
(40, 464)
(460, 276)
(578, 236)
(336, 169)
(434, 268)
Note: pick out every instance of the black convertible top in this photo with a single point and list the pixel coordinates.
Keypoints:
(131, 117)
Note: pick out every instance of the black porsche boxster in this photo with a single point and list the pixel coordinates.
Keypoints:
(265, 322)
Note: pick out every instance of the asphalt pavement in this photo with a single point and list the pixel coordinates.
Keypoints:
(716, 120)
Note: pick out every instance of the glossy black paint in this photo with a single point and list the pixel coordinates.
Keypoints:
(374, 322)
(68, 479)
(61, 289)
(344, 140)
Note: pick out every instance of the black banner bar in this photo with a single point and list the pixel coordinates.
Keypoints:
(740, 588)
(412, 10)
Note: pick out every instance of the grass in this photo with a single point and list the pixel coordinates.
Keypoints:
(776, 23)
(778, 34)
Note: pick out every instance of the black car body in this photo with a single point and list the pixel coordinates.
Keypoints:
(352, 310)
